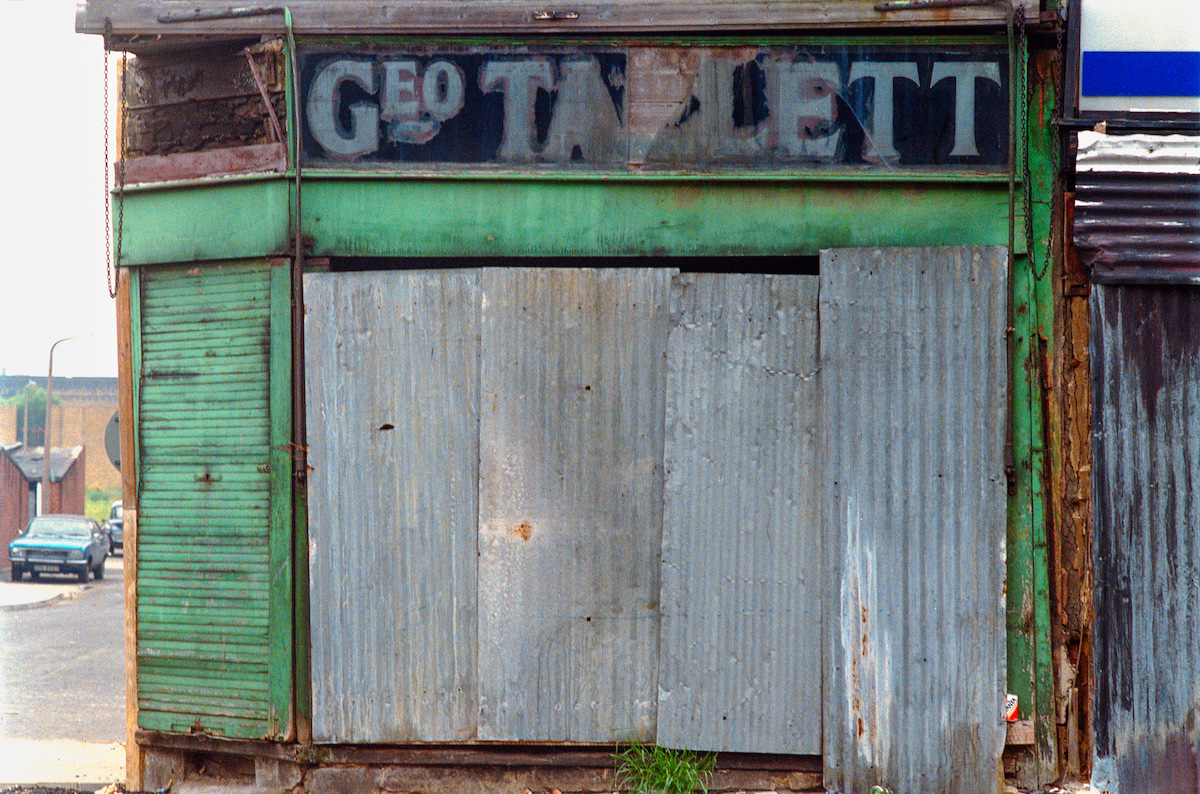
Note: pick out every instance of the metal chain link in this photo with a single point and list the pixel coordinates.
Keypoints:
(121, 151)
(112, 278)
(108, 252)
(1023, 111)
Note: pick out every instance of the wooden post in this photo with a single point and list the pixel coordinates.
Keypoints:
(133, 753)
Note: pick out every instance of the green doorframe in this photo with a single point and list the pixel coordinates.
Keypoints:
(1030, 654)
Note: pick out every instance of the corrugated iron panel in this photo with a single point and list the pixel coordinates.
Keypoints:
(204, 522)
(1146, 381)
(913, 369)
(1137, 207)
(570, 521)
(392, 371)
(740, 658)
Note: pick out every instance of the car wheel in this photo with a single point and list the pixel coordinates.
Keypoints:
(99, 572)
(17, 573)
(83, 574)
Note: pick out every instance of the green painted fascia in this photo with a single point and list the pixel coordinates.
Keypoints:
(282, 719)
(214, 219)
(689, 215)
(470, 218)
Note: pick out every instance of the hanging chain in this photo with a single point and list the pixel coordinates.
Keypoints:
(112, 277)
(121, 151)
(108, 252)
(1023, 111)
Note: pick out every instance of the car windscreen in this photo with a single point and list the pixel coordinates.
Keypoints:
(116, 512)
(58, 528)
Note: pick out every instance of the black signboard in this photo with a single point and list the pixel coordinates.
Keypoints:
(657, 107)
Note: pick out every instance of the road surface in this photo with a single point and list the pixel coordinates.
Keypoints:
(62, 683)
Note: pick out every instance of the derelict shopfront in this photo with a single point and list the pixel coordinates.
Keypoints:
(585, 391)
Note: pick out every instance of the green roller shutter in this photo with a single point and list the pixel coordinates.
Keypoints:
(214, 572)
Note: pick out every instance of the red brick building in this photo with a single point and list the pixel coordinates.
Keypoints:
(21, 476)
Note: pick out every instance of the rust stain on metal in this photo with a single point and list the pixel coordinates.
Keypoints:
(524, 530)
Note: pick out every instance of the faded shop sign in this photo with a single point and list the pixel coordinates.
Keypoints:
(670, 107)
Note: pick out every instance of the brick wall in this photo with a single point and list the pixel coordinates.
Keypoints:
(14, 502)
(67, 495)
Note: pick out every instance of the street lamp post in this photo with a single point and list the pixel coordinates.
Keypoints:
(25, 434)
(46, 435)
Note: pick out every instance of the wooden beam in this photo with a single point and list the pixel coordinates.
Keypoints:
(528, 755)
(347, 17)
(260, 158)
(133, 751)
(1020, 733)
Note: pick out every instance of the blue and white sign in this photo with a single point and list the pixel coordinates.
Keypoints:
(1139, 57)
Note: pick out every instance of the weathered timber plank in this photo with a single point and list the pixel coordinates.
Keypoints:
(490, 16)
(256, 158)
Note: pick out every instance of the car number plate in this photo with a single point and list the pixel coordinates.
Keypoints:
(50, 568)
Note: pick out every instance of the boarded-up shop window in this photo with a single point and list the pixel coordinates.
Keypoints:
(578, 393)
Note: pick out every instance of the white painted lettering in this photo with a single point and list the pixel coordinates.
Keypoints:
(443, 90)
(518, 81)
(362, 136)
(802, 98)
(399, 104)
(964, 74)
(883, 123)
(583, 116)
(398, 101)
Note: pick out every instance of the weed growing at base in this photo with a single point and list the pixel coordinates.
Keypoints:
(650, 769)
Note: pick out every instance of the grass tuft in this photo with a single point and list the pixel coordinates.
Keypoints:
(650, 769)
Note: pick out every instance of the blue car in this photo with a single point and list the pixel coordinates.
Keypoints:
(60, 544)
(114, 527)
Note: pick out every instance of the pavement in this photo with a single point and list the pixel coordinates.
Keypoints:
(30, 595)
(52, 762)
(61, 763)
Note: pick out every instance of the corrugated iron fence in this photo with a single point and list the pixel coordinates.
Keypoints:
(1138, 228)
(585, 505)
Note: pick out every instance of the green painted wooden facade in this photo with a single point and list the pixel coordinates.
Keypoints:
(209, 223)
(214, 541)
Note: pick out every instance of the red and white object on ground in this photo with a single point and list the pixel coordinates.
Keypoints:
(1010, 707)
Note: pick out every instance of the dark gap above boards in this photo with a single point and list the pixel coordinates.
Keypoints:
(805, 265)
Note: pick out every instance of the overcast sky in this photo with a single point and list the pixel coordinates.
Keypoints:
(52, 278)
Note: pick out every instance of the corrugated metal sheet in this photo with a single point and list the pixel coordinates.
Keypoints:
(913, 369)
(1146, 381)
(392, 371)
(570, 521)
(1137, 207)
(740, 657)
(204, 563)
